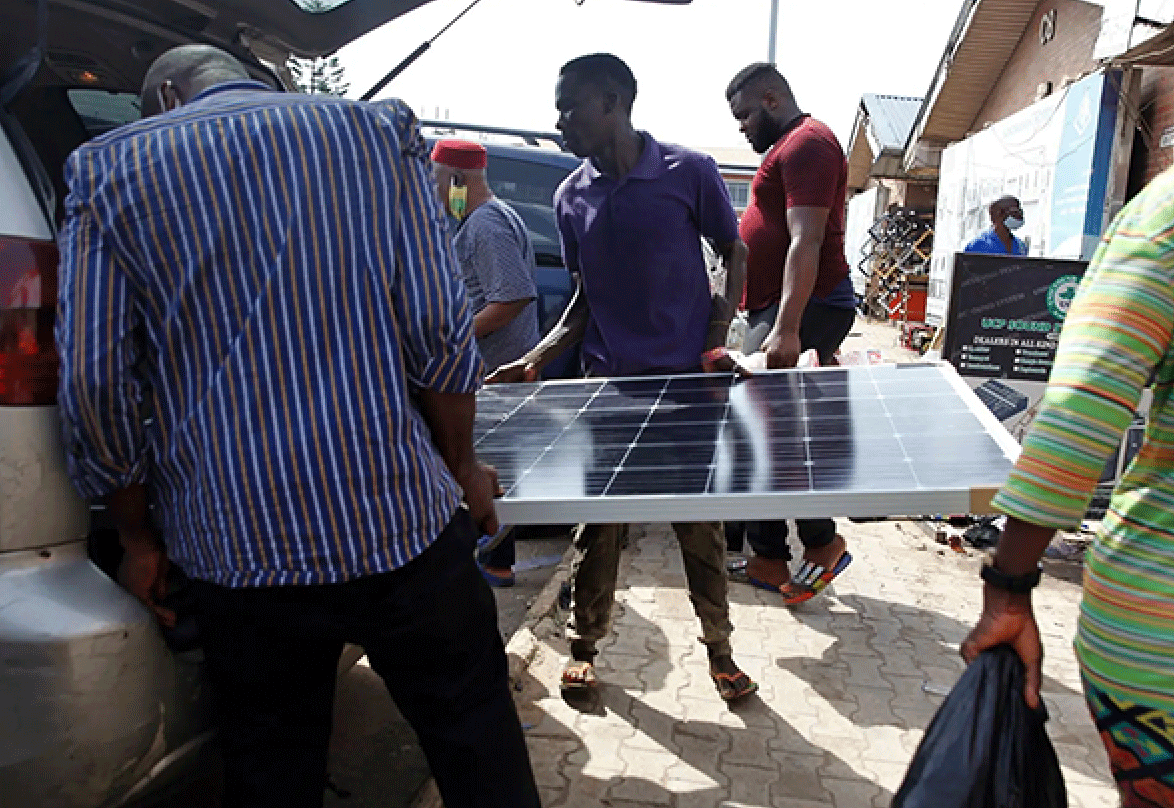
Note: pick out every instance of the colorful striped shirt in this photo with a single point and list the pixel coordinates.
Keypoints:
(252, 286)
(1116, 337)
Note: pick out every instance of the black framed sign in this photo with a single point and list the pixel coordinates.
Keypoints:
(1006, 312)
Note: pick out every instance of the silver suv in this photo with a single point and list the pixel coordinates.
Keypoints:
(95, 708)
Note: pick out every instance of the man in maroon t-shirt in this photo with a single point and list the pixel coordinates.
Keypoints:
(798, 295)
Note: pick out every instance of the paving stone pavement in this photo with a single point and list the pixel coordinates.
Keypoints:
(848, 683)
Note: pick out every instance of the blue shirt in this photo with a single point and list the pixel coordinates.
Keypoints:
(251, 287)
(989, 242)
(636, 243)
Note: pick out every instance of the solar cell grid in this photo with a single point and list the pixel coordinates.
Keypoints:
(830, 441)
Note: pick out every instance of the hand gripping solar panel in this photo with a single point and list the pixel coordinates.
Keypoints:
(857, 441)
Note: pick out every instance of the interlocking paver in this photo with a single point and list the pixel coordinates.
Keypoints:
(852, 792)
(750, 785)
(747, 750)
(848, 683)
(799, 776)
(637, 792)
(873, 708)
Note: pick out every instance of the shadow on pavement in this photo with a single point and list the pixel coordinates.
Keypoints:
(681, 744)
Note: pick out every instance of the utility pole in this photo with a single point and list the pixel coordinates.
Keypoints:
(774, 30)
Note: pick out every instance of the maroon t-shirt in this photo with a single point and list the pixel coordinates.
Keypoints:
(806, 168)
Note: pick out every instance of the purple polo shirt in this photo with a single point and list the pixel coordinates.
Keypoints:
(636, 243)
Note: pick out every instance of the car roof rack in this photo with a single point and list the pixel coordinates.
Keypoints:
(530, 136)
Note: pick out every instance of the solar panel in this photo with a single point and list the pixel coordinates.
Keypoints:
(841, 441)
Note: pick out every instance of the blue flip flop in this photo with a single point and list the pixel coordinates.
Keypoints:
(497, 581)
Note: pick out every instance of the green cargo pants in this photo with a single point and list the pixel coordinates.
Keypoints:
(596, 567)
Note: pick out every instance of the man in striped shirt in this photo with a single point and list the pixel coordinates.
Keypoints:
(1118, 335)
(266, 277)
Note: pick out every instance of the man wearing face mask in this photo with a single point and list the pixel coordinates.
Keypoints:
(1006, 215)
(494, 253)
(496, 259)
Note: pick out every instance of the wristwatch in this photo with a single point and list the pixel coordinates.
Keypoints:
(1007, 582)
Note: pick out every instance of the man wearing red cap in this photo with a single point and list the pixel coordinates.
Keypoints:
(494, 251)
(496, 257)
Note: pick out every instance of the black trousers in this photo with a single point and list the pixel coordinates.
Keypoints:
(823, 328)
(429, 630)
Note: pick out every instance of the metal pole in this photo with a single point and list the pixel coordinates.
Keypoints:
(774, 29)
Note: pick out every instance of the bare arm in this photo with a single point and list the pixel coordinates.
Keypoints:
(1008, 617)
(724, 306)
(807, 226)
(143, 570)
(496, 316)
(569, 330)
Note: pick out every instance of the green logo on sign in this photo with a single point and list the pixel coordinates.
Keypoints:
(1060, 295)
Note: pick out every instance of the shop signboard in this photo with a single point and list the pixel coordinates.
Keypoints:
(1006, 313)
(1002, 329)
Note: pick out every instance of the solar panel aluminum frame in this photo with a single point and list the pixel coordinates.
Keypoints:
(971, 495)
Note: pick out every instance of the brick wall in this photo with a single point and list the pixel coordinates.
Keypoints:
(1069, 54)
(1157, 115)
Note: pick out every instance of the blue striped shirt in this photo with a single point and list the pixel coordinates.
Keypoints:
(251, 288)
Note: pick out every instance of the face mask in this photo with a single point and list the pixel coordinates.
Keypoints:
(458, 199)
(1013, 222)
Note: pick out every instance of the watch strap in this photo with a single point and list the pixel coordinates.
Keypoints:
(1024, 582)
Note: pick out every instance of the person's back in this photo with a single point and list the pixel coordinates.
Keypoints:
(295, 351)
(266, 276)
(1118, 338)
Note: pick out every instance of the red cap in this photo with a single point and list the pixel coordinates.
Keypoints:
(460, 154)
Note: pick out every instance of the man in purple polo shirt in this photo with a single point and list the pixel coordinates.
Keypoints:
(631, 218)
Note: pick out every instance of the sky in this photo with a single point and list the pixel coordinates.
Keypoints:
(498, 65)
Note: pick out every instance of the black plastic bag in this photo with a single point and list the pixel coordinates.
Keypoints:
(985, 748)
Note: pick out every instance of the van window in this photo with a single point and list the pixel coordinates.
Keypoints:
(103, 110)
(523, 181)
(529, 188)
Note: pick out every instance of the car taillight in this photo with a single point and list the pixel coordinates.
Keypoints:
(28, 301)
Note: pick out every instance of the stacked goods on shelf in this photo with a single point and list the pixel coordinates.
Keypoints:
(895, 262)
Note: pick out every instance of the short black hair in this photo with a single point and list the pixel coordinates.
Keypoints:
(604, 70)
(748, 74)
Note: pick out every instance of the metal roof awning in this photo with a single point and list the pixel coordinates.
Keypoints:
(882, 126)
(1157, 51)
(983, 40)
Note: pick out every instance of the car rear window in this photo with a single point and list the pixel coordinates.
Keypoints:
(523, 181)
(103, 110)
(529, 188)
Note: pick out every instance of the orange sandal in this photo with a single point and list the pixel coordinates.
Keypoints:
(577, 675)
(811, 580)
(733, 686)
